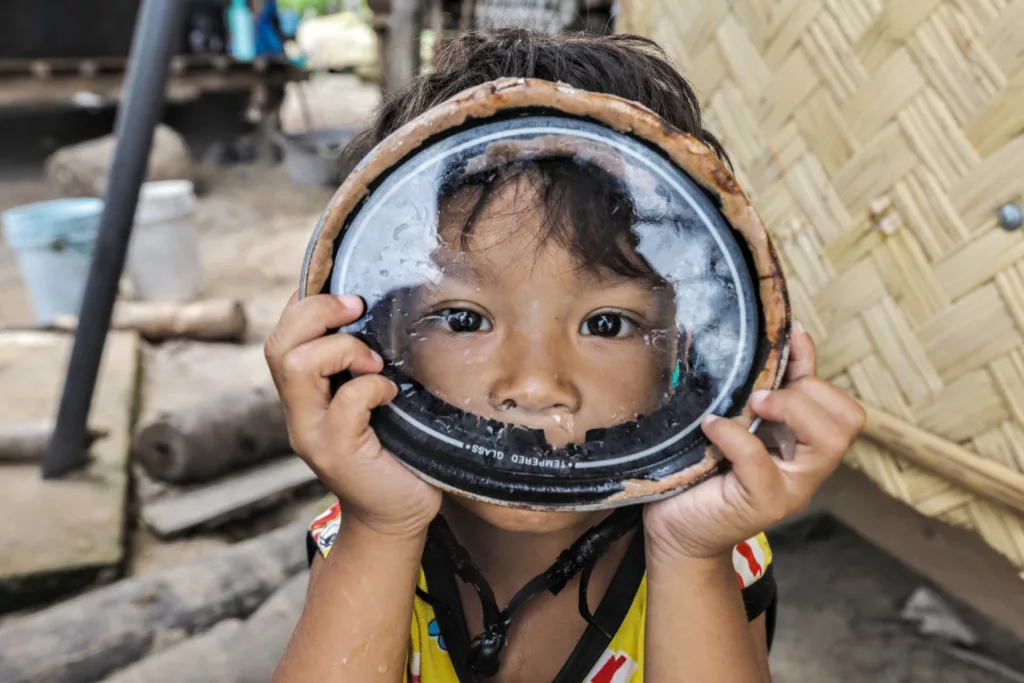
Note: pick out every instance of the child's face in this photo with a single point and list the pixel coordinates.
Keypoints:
(517, 331)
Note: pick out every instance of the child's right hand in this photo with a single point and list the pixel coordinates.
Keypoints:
(333, 435)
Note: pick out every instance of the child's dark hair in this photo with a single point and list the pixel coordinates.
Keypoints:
(585, 210)
(628, 66)
(588, 211)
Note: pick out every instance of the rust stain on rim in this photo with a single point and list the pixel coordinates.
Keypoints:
(507, 95)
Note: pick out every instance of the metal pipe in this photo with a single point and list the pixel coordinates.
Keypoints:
(156, 35)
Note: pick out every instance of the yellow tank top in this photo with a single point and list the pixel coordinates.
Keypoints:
(622, 659)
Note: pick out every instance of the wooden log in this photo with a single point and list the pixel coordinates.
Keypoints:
(23, 442)
(226, 499)
(83, 169)
(204, 440)
(208, 320)
(86, 638)
(232, 651)
(948, 460)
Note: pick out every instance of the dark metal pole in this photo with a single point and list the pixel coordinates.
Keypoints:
(157, 30)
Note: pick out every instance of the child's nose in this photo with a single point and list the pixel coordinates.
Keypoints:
(535, 380)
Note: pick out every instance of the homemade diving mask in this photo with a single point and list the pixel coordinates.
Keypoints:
(562, 286)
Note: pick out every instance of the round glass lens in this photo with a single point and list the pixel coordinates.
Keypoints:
(559, 305)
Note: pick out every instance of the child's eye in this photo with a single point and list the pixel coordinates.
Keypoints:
(462, 320)
(607, 324)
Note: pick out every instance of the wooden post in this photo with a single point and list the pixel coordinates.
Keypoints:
(405, 25)
(398, 24)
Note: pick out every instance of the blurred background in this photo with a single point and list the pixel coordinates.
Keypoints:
(882, 141)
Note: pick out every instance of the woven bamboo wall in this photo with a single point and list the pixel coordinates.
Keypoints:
(878, 139)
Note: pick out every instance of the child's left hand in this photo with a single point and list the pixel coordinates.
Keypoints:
(760, 489)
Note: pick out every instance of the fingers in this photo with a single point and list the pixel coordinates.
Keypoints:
(348, 416)
(823, 439)
(803, 356)
(308, 319)
(841, 406)
(750, 460)
(805, 417)
(302, 376)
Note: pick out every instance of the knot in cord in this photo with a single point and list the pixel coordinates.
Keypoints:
(485, 649)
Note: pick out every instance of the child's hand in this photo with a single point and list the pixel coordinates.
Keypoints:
(761, 489)
(334, 436)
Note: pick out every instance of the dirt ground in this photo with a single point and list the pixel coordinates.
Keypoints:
(840, 598)
(839, 618)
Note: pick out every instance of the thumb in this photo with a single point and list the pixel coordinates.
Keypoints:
(751, 463)
(803, 356)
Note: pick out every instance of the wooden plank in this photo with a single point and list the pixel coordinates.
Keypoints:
(954, 559)
(105, 89)
(212, 504)
(190, 62)
(58, 534)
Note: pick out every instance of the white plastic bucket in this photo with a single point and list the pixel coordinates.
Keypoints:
(163, 256)
(54, 243)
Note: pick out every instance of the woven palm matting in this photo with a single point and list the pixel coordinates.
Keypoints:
(878, 139)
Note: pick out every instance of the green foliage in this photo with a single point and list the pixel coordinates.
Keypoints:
(322, 7)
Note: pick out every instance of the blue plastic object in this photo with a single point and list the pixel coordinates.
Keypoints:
(269, 40)
(289, 20)
(242, 29)
(54, 242)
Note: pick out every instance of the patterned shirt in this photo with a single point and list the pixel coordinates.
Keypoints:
(621, 660)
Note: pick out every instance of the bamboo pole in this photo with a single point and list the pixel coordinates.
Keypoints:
(948, 460)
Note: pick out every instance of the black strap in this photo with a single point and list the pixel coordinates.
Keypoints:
(483, 653)
(610, 614)
(444, 598)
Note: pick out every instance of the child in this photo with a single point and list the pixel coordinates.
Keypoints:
(667, 592)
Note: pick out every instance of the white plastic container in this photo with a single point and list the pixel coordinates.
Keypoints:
(54, 242)
(163, 257)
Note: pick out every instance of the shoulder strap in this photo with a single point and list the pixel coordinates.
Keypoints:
(609, 615)
(447, 604)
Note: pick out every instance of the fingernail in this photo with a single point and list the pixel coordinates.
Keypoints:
(798, 327)
(709, 419)
(351, 301)
(759, 396)
(376, 357)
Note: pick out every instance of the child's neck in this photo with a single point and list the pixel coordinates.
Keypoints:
(509, 559)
